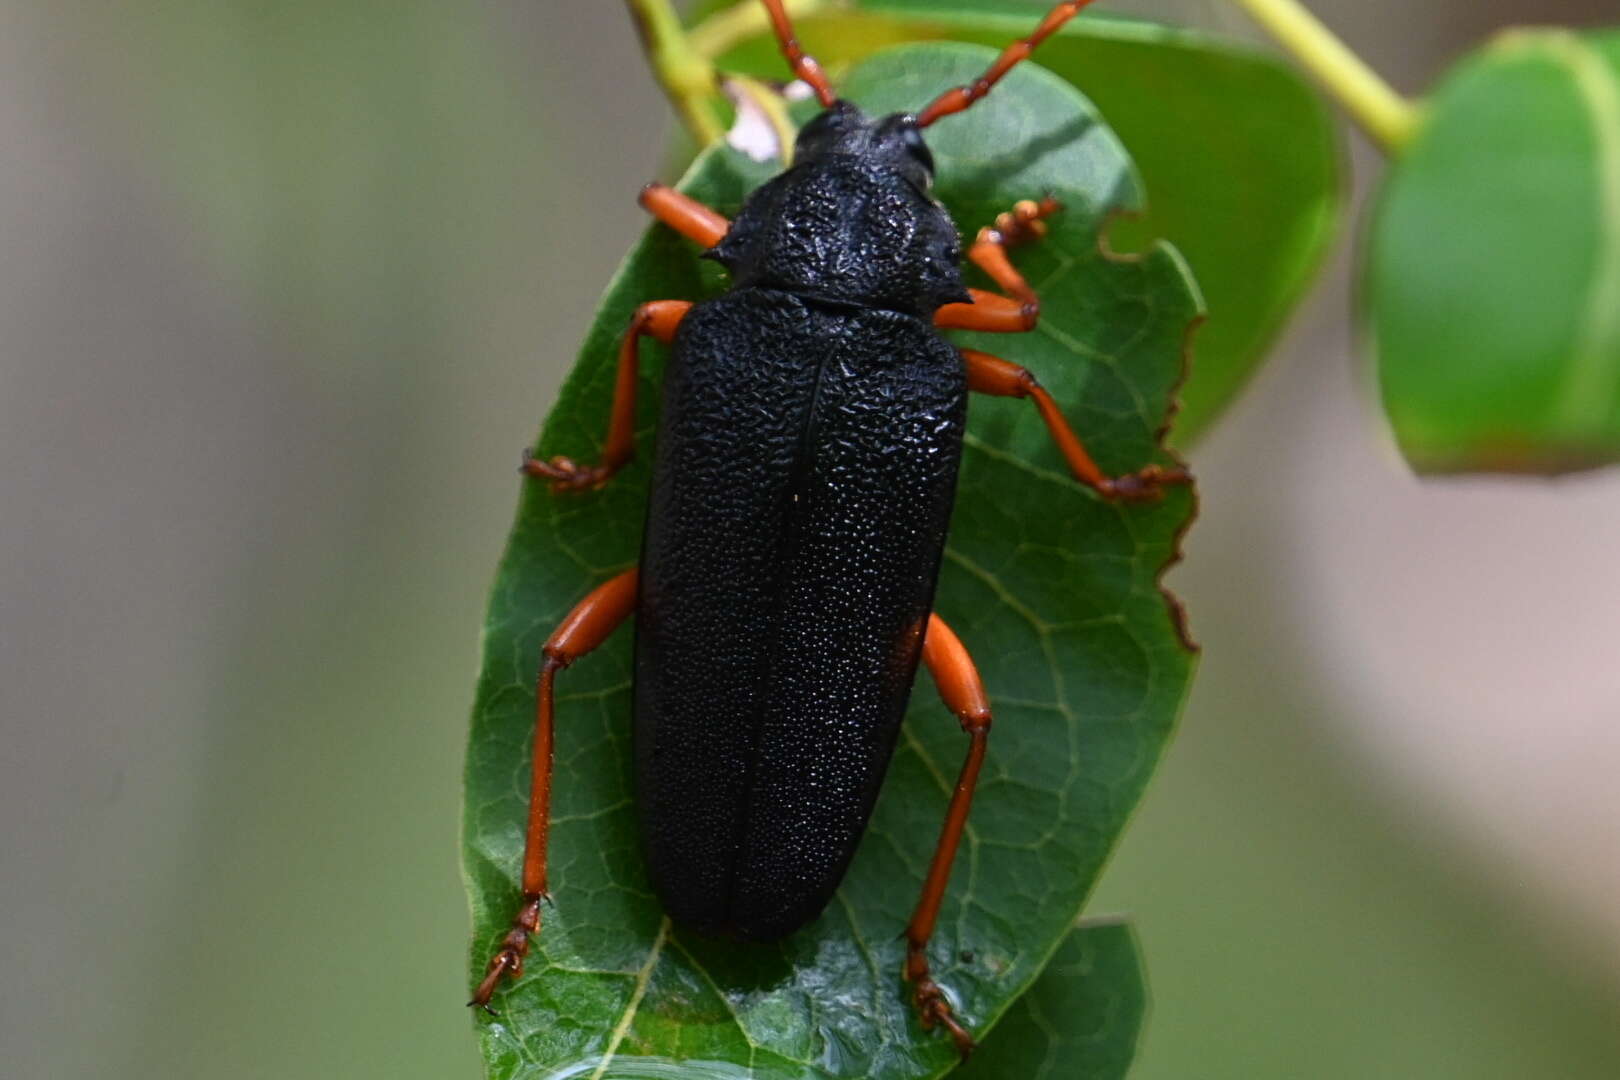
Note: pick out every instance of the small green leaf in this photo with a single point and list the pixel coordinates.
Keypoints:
(1493, 283)
(1239, 155)
(1054, 591)
(1081, 1019)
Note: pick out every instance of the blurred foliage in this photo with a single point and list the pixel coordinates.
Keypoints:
(1303, 915)
(1493, 282)
(1055, 591)
(324, 151)
(1238, 156)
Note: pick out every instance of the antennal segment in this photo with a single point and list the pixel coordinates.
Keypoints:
(954, 101)
(804, 66)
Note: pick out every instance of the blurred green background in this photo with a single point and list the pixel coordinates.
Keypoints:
(286, 288)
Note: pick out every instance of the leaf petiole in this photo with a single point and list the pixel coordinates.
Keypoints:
(1371, 102)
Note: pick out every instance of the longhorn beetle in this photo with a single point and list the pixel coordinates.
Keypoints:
(810, 434)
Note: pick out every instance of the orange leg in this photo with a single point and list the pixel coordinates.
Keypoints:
(658, 319)
(988, 374)
(959, 687)
(684, 214)
(1020, 309)
(1017, 226)
(585, 628)
(990, 312)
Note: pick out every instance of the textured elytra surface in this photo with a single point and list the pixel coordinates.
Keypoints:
(1054, 591)
(802, 487)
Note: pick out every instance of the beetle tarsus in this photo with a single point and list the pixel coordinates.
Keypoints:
(567, 476)
(933, 1009)
(1022, 224)
(1012, 228)
(499, 966)
(1145, 485)
(508, 960)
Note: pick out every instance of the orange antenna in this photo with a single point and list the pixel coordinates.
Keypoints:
(954, 101)
(804, 66)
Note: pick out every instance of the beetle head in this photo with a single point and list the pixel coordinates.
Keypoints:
(852, 221)
(894, 141)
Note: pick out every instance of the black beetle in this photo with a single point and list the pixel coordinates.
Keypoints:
(810, 435)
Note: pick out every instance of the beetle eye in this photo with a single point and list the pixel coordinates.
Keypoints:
(919, 149)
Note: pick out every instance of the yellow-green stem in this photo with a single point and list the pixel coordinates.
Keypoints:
(686, 75)
(1386, 116)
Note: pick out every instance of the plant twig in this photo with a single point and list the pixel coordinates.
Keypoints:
(1371, 102)
(687, 76)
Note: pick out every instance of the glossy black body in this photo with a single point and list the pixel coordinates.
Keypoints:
(805, 470)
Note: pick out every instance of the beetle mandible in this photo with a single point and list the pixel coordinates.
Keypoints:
(810, 434)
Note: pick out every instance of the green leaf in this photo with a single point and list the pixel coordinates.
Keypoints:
(1493, 283)
(1081, 1019)
(1239, 155)
(1054, 591)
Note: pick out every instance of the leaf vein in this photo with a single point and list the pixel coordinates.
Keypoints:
(643, 978)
